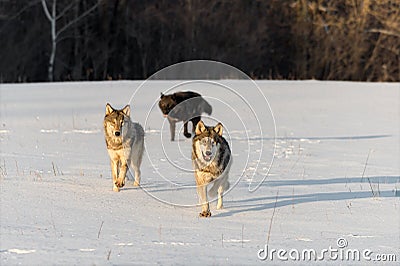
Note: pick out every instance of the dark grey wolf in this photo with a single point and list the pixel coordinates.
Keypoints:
(125, 144)
(183, 106)
(211, 159)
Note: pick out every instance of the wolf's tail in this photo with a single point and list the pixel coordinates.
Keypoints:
(207, 107)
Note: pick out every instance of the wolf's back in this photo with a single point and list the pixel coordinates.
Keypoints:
(138, 133)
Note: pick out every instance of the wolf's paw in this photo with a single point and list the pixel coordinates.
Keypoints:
(116, 189)
(187, 134)
(220, 206)
(120, 183)
(205, 214)
(136, 184)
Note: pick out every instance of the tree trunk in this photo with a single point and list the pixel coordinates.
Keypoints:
(77, 69)
(53, 41)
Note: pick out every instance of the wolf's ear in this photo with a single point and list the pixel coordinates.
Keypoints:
(127, 110)
(218, 129)
(200, 128)
(162, 95)
(109, 109)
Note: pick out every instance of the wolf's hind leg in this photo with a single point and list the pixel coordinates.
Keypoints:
(172, 128)
(136, 161)
(220, 195)
(223, 186)
(136, 169)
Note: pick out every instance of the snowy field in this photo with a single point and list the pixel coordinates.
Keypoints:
(334, 181)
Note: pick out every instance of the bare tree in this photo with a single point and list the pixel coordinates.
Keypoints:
(298, 39)
(55, 34)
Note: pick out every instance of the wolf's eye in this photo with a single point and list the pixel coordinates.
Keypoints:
(204, 141)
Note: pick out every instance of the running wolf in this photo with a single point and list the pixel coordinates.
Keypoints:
(125, 144)
(183, 106)
(211, 158)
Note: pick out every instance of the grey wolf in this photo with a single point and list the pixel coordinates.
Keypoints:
(211, 159)
(183, 106)
(125, 144)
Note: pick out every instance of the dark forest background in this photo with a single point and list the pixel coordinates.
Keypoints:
(356, 40)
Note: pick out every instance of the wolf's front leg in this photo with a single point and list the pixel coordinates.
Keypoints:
(122, 172)
(185, 130)
(114, 173)
(205, 207)
(195, 121)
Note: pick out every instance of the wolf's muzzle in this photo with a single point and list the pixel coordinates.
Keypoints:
(117, 133)
(207, 156)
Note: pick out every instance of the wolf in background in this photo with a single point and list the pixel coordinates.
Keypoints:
(125, 144)
(211, 159)
(183, 106)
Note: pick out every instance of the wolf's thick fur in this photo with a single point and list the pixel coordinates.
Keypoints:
(211, 158)
(125, 144)
(183, 106)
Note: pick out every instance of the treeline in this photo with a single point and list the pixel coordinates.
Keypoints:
(356, 40)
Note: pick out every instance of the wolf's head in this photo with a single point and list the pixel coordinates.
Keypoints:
(207, 140)
(167, 103)
(114, 120)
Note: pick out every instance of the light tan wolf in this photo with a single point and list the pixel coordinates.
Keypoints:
(125, 144)
(211, 158)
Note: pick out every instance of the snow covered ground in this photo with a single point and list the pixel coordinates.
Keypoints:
(335, 177)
